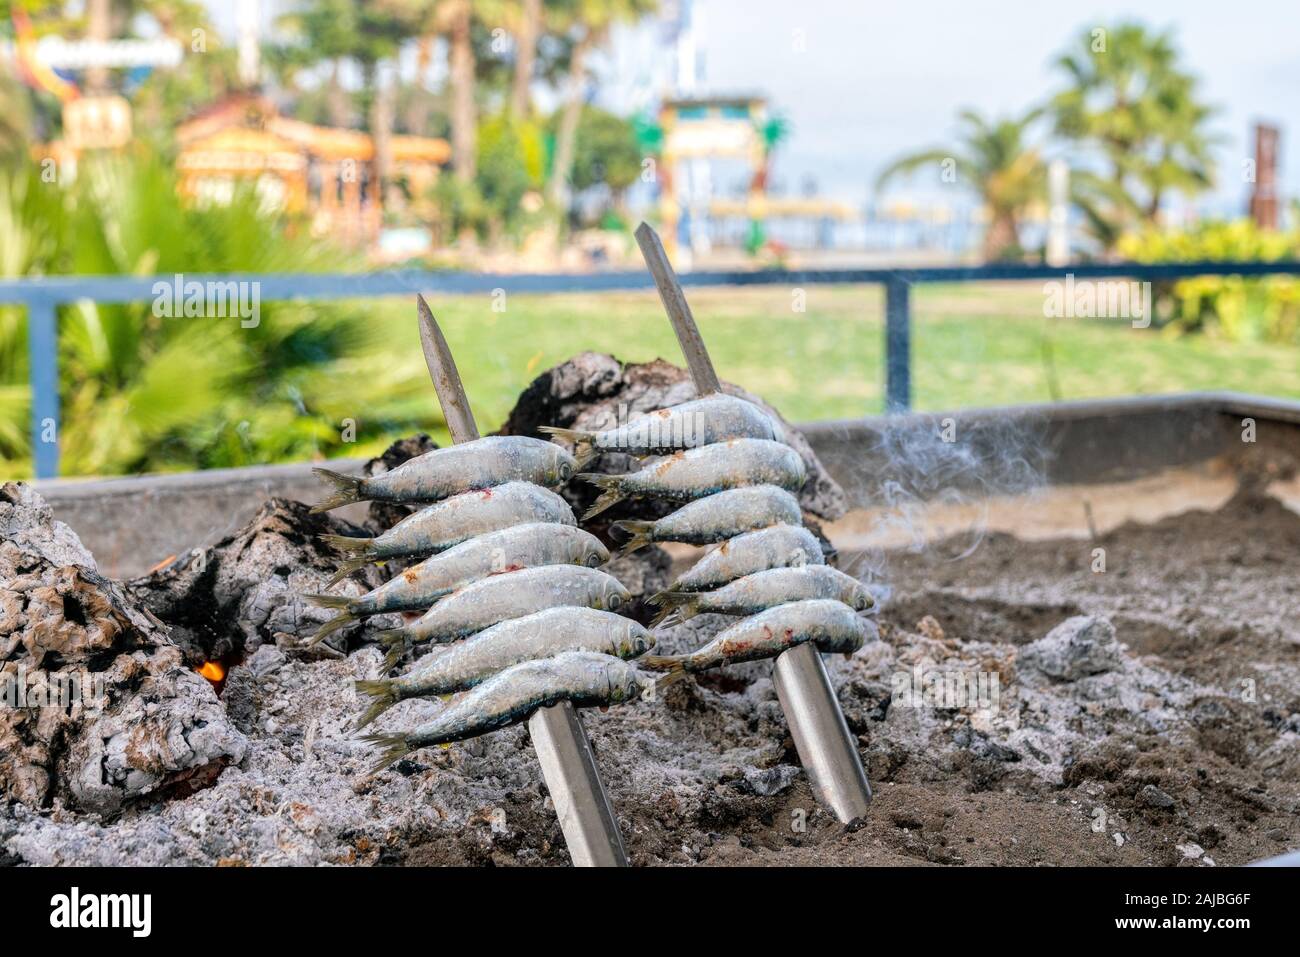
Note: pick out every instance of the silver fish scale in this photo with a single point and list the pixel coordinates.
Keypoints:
(780, 546)
(717, 517)
(775, 586)
(703, 471)
(584, 678)
(457, 519)
(534, 544)
(515, 594)
(699, 422)
(482, 463)
(539, 635)
(832, 625)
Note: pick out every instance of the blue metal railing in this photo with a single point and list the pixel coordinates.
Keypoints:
(42, 298)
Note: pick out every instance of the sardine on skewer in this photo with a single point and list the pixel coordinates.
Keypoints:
(584, 678)
(484, 603)
(781, 546)
(454, 520)
(714, 519)
(765, 589)
(696, 473)
(715, 418)
(533, 545)
(832, 625)
(540, 635)
(442, 473)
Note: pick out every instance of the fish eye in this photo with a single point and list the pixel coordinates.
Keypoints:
(613, 600)
(566, 471)
(593, 560)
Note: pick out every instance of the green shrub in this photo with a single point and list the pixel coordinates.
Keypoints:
(1240, 309)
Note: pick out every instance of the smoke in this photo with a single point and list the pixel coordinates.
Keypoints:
(928, 482)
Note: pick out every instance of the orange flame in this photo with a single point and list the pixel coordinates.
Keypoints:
(214, 671)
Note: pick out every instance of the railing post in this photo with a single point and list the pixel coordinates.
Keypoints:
(898, 344)
(43, 359)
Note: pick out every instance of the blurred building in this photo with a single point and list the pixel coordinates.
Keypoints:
(325, 171)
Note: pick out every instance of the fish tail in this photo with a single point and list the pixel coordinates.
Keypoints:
(610, 492)
(662, 615)
(398, 642)
(351, 547)
(346, 569)
(393, 748)
(384, 694)
(583, 442)
(685, 603)
(331, 626)
(640, 534)
(674, 666)
(330, 601)
(347, 489)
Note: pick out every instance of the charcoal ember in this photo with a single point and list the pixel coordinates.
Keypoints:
(247, 590)
(130, 716)
(170, 730)
(595, 391)
(1076, 648)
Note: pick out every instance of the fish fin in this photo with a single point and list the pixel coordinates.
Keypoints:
(398, 643)
(610, 493)
(384, 694)
(347, 489)
(675, 672)
(394, 749)
(346, 569)
(685, 603)
(662, 615)
(640, 534)
(340, 602)
(351, 547)
(671, 664)
(583, 441)
(331, 626)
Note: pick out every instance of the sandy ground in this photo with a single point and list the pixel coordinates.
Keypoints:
(1160, 724)
(1209, 596)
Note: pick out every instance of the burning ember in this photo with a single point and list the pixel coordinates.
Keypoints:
(214, 671)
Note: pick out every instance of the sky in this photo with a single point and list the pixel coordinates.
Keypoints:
(872, 80)
(863, 82)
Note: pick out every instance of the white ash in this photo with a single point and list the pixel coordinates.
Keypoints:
(143, 722)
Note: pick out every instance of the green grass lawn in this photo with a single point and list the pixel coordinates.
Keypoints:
(972, 346)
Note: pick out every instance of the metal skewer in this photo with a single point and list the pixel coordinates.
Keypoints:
(586, 816)
(821, 736)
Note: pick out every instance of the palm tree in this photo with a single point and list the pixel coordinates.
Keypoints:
(994, 159)
(523, 20)
(588, 23)
(1130, 100)
(455, 19)
(370, 34)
